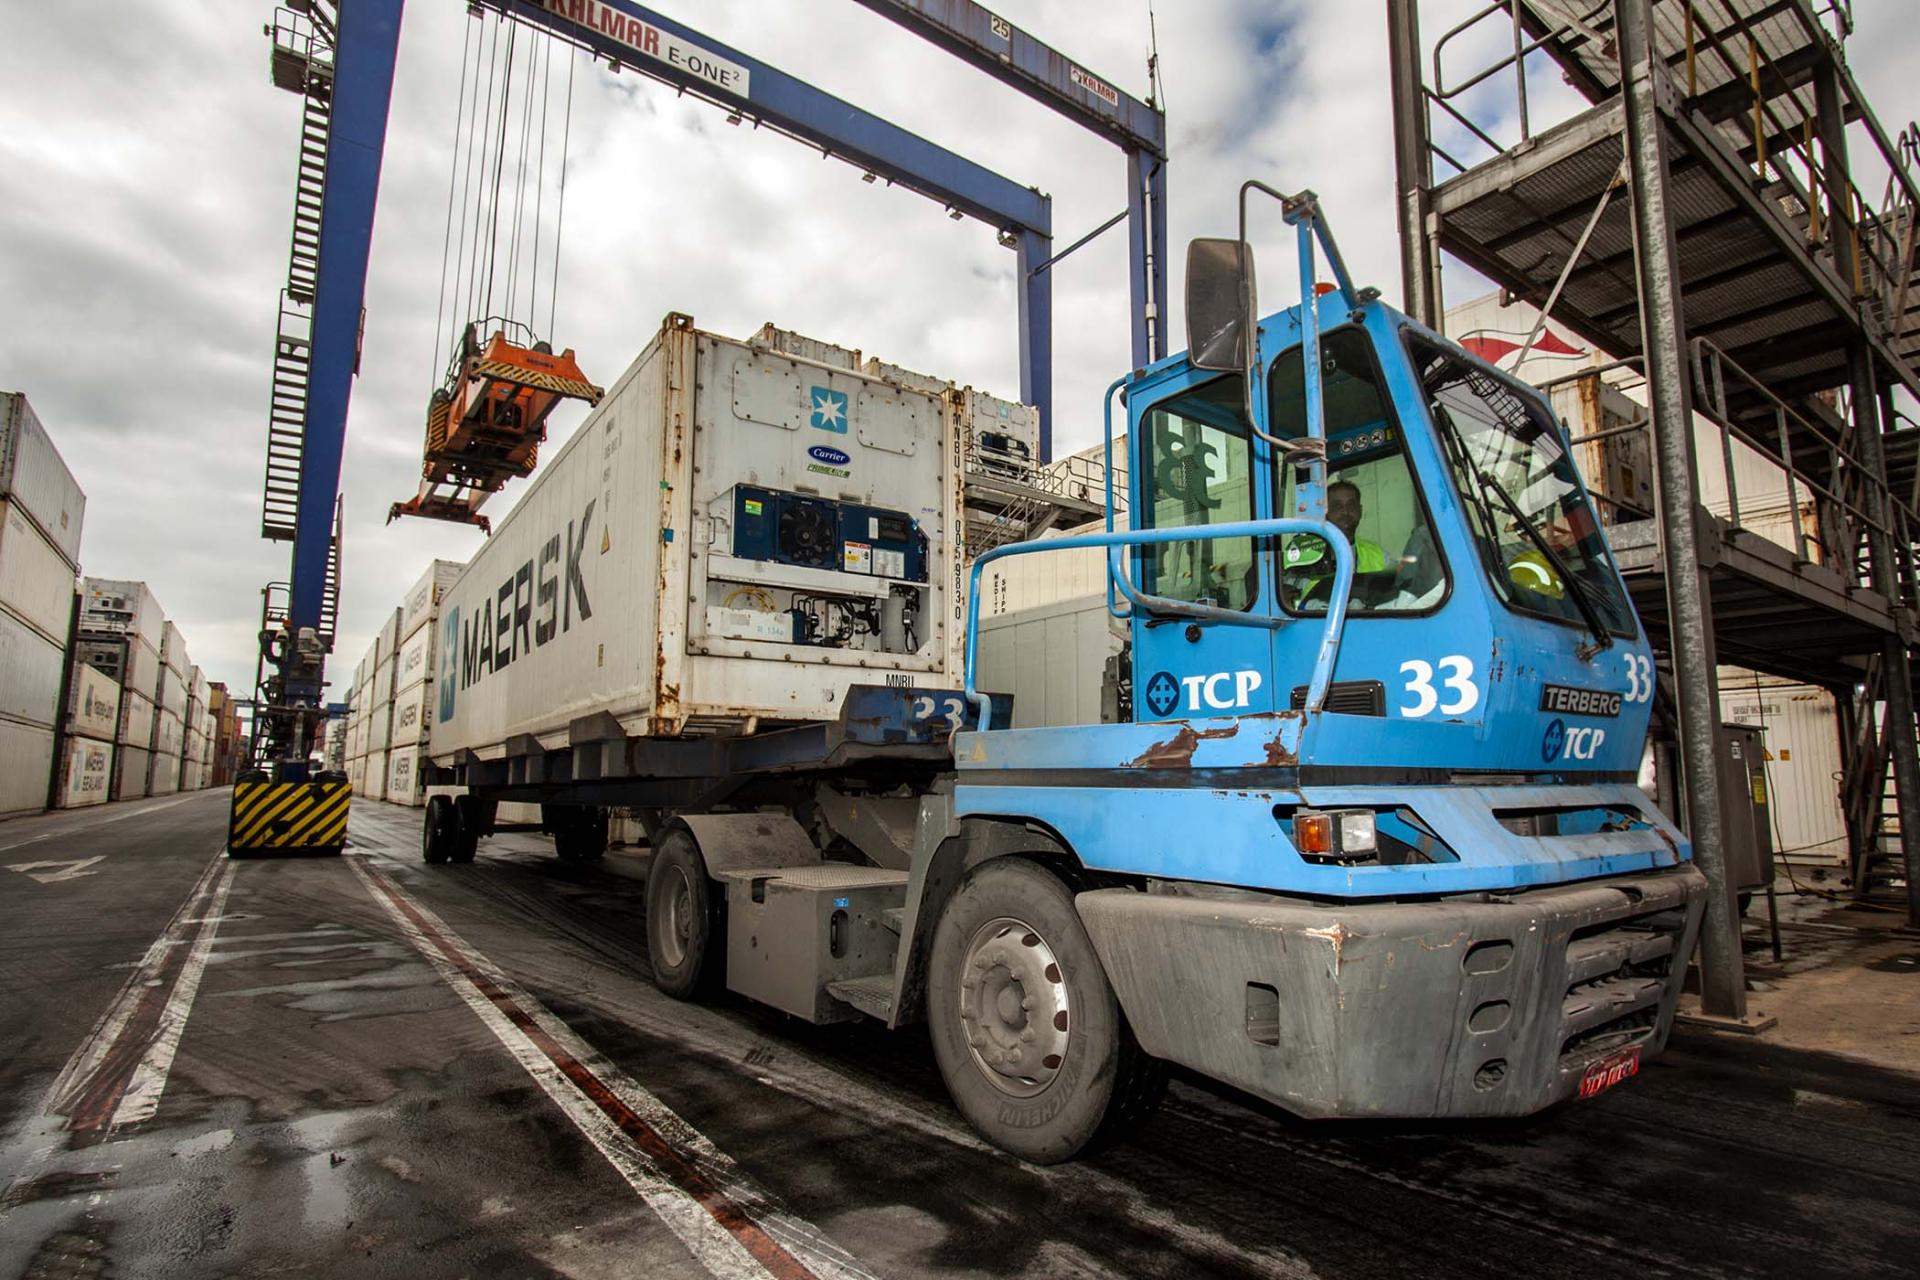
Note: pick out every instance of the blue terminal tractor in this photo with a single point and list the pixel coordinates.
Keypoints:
(1378, 844)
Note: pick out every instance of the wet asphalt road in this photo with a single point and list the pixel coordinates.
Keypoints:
(334, 1096)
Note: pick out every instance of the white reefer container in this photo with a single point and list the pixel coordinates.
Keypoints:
(30, 666)
(136, 721)
(122, 606)
(733, 537)
(93, 703)
(33, 474)
(131, 766)
(405, 782)
(124, 658)
(415, 662)
(423, 602)
(26, 766)
(86, 770)
(1052, 659)
(36, 581)
(173, 650)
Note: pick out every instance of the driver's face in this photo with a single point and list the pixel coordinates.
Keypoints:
(1343, 510)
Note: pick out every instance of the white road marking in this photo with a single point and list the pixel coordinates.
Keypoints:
(149, 1079)
(75, 867)
(118, 817)
(717, 1248)
(106, 1033)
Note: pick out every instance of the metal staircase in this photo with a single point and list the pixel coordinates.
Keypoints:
(302, 63)
(1868, 798)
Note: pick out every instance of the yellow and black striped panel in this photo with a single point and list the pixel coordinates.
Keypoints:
(288, 815)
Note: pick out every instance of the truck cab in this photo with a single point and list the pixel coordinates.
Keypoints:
(1371, 843)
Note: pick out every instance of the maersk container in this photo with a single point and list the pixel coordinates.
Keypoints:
(376, 776)
(36, 581)
(26, 766)
(93, 703)
(410, 712)
(168, 736)
(86, 773)
(30, 666)
(33, 474)
(422, 603)
(405, 782)
(415, 662)
(733, 537)
(129, 661)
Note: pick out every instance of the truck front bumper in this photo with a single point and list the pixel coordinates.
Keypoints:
(1498, 1005)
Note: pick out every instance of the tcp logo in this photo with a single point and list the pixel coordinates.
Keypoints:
(1219, 691)
(1561, 742)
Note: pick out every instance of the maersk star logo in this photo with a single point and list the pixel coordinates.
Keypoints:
(829, 409)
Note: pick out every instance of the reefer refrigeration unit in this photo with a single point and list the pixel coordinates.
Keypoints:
(733, 537)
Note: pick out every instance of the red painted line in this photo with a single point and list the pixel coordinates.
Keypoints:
(767, 1251)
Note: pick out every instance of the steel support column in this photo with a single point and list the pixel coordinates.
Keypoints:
(1412, 166)
(365, 51)
(1036, 332)
(1146, 256)
(1663, 338)
(1864, 399)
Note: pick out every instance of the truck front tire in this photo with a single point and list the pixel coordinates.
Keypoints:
(1028, 1033)
(439, 831)
(686, 926)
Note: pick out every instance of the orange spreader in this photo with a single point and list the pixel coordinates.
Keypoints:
(485, 427)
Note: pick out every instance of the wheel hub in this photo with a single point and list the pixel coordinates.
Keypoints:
(672, 917)
(1013, 1006)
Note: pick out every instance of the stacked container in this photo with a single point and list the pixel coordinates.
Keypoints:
(121, 630)
(86, 755)
(413, 683)
(195, 731)
(41, 511)
(170, 713)
(226, 734)
(380, 707)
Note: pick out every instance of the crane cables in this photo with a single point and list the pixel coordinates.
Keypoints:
(506, 201)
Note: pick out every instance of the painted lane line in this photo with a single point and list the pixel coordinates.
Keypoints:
(149, 1078)
(118, 817)
(728, 1223)
(88, 1089)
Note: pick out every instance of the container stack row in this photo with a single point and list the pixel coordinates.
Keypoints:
(164, 728)
(41, 513)
(389, 708)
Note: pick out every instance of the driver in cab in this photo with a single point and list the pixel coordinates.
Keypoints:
(1309, 560)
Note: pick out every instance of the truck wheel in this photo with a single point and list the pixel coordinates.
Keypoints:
(466, 828)
(686, 926)
(1026, 1028)
(439, 831)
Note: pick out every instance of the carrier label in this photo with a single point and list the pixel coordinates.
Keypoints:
(1568, 701)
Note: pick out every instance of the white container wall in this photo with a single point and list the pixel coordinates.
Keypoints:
(404, 782)
(1803, 761)
(410, 712)
(379, 726)
(136, 721)
(33, 474)
(1019, 583)
(424, 600)
(26, 766)
(383, 685)
(131, 768)
(1051, 659)
(122, 605)
(36, 582)
(415, 662)
(173, 650)
(86, 771)
(172, 693)
(30, 666)
(163, 775)
(655, 567)
(376, 784)
(389, 638)
(168, 735)
(93, 703)
(357, 775)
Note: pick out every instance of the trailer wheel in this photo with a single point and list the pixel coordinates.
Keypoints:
(466, 829)
(686, 928)
(579, 833)
(1029, 1036)
(439, 831)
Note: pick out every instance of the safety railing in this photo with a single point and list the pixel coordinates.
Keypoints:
(1115, 541)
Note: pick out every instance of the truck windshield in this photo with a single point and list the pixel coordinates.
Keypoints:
(1536, 531)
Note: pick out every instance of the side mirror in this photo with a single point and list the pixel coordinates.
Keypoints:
(1220, 316)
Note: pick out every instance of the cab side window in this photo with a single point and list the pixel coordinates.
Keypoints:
(1196, 468)
(1372, 496)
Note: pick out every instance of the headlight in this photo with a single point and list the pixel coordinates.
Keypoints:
(1335, 833)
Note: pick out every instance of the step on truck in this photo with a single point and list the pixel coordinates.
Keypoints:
(1366, 843)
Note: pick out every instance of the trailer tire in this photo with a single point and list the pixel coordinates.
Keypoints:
(686, 922)
(1010, 946)
(439, 831)
(579, 832)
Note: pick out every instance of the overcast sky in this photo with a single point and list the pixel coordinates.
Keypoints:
(146, 176)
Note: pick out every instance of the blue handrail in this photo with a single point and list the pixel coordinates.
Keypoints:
(1113, 540)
